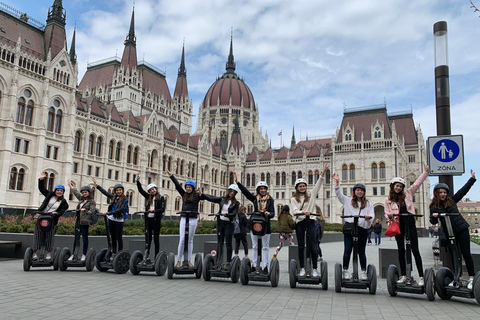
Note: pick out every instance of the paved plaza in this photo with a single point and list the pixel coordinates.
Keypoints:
(76, 294)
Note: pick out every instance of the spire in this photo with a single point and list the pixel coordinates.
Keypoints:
(56, 14)
(182, 71)
(181, 88)
(236, 140)
(73, 55)
(293, 142)
(129, 58)
(131, 39)
(231, 61)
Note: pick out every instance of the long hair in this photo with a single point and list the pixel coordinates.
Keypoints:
(397, 197)
(356, 200)
(242, 209)
(318, 210)
(228, 198)
(121, 198)
(297, 196)
(439, 204)
(153, 197)
(190, 197)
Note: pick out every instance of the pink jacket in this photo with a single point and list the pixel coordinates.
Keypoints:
(391, 207)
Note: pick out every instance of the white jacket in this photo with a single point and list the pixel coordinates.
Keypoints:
(307, 206)
(349, 210)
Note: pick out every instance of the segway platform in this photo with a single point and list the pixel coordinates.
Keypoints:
(137, 263)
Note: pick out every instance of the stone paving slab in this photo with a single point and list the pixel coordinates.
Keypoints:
(77, 294)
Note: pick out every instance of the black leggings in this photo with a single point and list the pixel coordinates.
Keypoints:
(116, 231)
(348, 246)
(243, 239)
(408, 222)
(463, 242)
(224, 234)
(152, 228)
(301, 228)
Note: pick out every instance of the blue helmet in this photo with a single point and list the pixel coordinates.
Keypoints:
(190, 183)
(59, 186)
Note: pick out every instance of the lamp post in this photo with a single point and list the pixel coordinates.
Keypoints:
(442, 88)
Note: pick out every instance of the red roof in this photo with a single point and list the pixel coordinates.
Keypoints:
(229, 88)
(405, 128)
(181, 89)
(361, 122)
(282, 154)
(101, 75)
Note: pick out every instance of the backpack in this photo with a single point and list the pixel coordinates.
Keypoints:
(94, 217)
(127, 210)
(237, 229)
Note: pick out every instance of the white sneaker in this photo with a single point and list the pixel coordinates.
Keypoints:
(452, 284)
(402, 280)
(363, 275)
(315, 273)
(470, 284)
(302, 272)
(71, 258)
(346, 275)
(35, 257)
(84, 257)
(48, 257)
(421, 282)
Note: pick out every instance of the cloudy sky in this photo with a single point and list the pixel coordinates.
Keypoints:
(305, 61)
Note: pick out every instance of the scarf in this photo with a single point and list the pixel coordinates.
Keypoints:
(262, 202)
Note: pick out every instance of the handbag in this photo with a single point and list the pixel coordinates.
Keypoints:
(393, 228)
(347, 228)
(35, 218)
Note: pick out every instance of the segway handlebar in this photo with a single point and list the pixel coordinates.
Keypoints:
(303, 214)
(41, 213)
(449, 214)
(144, 212)
(407, 215)
(187, 212)
(213, 214)
(252, 213)
(351, 216)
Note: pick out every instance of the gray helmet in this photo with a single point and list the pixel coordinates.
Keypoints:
(441, 186)
(359, 186)
(86, 188)
(118, 185)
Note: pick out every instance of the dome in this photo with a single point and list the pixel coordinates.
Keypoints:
(229, 88)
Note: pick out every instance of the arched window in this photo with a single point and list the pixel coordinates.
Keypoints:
(248, 179)
(231, 178)
(268, 178)
(182, 163)
(110, 149)
(13, 178)
(253, 179)
(177, 204)
(169, 164)
(164, 162)
(327, 176)
(344, 172)
(193, 170)
(20, 116)
(352, 172)
(29, 114)
(310, 177)
(50, 181)
(277, 178)
(300, 174)
(250, 208)
(91, 141)
(262, 176)
(20, 110)
(98, 147)
(21, 174)
(383, 172)
(294, 177)
(279, 209)
(284, 178)
(58, 121)
(129, 153)
(77, 141)
(374, 171)
(51, 119)
(317, 175)
(135, 155)
(118, 151)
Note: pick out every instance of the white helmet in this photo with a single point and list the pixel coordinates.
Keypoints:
(398, 180)
(261, 184)
(300, 180)
(151, 185)
(233, 187)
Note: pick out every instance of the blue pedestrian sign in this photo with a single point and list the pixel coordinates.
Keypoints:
(445, 155)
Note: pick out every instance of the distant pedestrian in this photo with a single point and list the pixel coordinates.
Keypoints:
(377, 230)
(285, 228)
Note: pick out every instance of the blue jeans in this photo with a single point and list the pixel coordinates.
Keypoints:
(379, 236)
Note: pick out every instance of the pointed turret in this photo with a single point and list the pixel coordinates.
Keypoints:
(129, 58)
(55, 36)
(72, 53)
(181, 88)
(293, 141)
(236, 140)
(231, 60)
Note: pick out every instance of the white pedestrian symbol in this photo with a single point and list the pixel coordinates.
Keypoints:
(443, 149)
(450, 154)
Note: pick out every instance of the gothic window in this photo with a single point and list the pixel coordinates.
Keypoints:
(253, 179)
(300, 174)
(294, 177)
(262, 177)
(91, 142)
(77, 141)
(382, 170)
(374, 171)
(20, 110)
(129, 154)
(231, 178)
(110, 149)
(16, 179)
(268, 178)
(50, 182)
(284, 178)
(352, 172)
(58, 121)
(248, 180)
(24, 113)
(118, 151)
(327, 176)
(277, 178)
(98, 147)
(344, 172)
(135, 155)
(310, 177)
(50, 119)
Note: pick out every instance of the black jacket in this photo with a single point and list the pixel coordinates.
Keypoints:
(458, 222)
(120, 208)
(191, 206)
(159, 204)
(269, 208)
(377, 228)
(232, 209)
(242, 222)
(48, 195)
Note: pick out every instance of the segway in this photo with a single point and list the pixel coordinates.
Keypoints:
(308, 278)
(354, 282)
(445, 276)
(141, 262)
(410, 286)
(64, 263)
(259, 223)
(45, 223)
(213, 265)
(184, 268)
(106, 259)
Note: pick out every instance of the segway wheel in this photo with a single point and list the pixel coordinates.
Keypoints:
(392, 278)
(207, 267)
(274, 272)
(90, 259)
(101, 258)
(235, 269)
(56, 255)
(171, 265)
(324, 273)
(430, 284)
(198, 265)
(476, 287)
(293, 273)
(338, 277)
(161, 263)
(27, 259)
(121, 262)
(136, 258)
(244, 270)
(372, 278)
(443, 278)
(64, 255)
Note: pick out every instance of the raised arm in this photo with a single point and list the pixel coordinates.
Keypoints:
(319, 183)
(464, 190)
(41, 184)
(99, 188)
(179, 188)
(414, 187)
(340, 196)
(140, 189)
